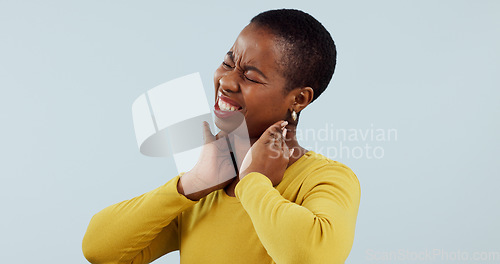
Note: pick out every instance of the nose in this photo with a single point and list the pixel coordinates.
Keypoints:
(229, 82)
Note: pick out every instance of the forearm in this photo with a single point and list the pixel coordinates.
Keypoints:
(293, 233)
(121, 231)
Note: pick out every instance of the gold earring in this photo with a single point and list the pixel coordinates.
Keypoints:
(294, 115)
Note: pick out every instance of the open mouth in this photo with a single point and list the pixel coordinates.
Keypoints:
(225, 107)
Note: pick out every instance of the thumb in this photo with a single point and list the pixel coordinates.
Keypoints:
(207, 134)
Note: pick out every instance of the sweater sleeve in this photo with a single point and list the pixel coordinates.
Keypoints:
(319, 230)
(138, 230)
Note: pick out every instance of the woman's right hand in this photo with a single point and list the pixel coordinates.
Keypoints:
(214, 169)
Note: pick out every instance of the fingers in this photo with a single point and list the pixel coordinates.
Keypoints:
(276, 139)
(280, 124)
(207, 134)
(279, 133)
(276, 130)
(291, 153)
(286, 151)
(221, 134)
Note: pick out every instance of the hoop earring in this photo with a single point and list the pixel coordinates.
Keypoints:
(294, 115)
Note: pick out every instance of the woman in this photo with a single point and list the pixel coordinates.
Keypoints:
(286, 205)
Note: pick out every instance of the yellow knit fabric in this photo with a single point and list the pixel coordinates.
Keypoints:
(309, 217)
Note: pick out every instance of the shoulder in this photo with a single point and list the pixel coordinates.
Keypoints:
(319, 170)
(315, 165)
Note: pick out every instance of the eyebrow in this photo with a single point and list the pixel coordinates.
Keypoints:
(247, 67)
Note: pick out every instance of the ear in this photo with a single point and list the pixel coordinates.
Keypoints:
(301, 97)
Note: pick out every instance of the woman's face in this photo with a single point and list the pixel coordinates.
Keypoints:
(249, 83)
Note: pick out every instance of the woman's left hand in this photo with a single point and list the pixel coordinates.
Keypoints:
(269, 155)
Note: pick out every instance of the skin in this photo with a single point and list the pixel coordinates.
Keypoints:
(250, 76)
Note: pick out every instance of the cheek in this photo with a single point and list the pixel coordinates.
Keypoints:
(265, 104)
(264, 109)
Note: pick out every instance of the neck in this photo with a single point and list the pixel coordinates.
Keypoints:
(292, 143)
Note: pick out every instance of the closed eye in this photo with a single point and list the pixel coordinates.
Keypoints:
(226, 65)
(254, 81)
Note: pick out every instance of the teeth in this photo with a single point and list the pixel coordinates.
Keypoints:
(225, 106)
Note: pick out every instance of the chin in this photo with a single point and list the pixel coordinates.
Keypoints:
(234, 123)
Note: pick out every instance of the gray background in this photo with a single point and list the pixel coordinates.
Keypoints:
(69, 72)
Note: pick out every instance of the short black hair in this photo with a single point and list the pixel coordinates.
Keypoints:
(310, 54)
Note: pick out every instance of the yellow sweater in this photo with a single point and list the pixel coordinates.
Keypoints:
(309, 217)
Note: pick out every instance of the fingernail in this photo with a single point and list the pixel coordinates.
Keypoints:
(284, 132)
(291, 153)
(284, 123)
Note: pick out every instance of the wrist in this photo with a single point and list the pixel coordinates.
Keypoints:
(190, 187)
